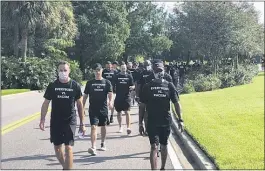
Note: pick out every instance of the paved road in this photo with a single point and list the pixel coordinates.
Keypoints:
(18, 106)
(29, 148)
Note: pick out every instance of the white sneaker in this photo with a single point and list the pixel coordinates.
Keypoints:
(92, 151)
(103, 147)
(120, 130)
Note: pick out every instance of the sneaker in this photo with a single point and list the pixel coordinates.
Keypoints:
(103, 147)
(111, 119)
(129, 131)
(92, 151)
(120, 130)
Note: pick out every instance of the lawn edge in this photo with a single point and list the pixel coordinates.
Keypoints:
(202, 159)
(18, 93)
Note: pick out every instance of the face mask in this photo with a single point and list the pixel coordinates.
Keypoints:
(159, 75)
(63, 75)
(123, 69)
(148, 68)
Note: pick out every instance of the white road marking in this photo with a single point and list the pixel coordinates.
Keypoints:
(173, 156)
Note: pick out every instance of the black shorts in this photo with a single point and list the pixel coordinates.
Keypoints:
(62, 134)
(96, 118)
(158, 134)
(122, 105)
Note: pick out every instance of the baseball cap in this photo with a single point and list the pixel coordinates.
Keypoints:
(97, 66)
(108, 62)
(158, 65)
(115, 62)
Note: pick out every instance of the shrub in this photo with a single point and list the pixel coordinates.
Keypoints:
(228, 80)
(206, 83)
(76, 74)
(188, 87)
(89, 75)
(9, 70)
(35, 73)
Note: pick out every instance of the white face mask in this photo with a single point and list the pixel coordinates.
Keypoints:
(148, 68)
(63, 75)
(123, 69)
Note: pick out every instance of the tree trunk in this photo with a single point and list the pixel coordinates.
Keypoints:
(236, 63)
(24, 41)
(16, 39)
(125, 58)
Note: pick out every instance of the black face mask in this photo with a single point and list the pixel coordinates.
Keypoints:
(159, 75)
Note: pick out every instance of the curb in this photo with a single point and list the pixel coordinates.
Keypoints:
(200, 158)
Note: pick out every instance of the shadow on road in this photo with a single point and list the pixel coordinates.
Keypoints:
(85, 158)
(87, 137)
(89, 160)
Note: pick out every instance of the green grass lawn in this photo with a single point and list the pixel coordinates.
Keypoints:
(13, 91)
(229, 124)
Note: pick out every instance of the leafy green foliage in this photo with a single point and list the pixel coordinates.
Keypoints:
(206, 83)
(35, 74)
(188, 87)
(75, 72)
(103, 29)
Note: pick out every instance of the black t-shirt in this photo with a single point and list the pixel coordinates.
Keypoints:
(133, 73)
(121, 83)
(144, 79)
(98, 93)
(182, 69)
(137, 75)
(109, 74)
(157, 95)
(63, 97)
(144, 75)
(116, 71)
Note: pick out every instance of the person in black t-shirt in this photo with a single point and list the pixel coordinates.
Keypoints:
(63, 93)
(156, 96)
(123, 84)
(182, 70)
(98, 90)
(148, 79)
(109, 74)
(115, 65)
(142, 81)
(132, 69)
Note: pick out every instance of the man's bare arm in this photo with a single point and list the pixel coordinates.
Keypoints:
(110, 96)
(80, 108)
(44, 109)
(141, 113)
(85, 96)
(178, 110)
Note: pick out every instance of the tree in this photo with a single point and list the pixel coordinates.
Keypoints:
(103, 29)
(148, 32)
(47, 19)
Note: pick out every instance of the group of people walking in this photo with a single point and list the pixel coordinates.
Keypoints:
(115, 87)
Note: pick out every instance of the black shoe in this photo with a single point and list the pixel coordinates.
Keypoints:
(111, 119)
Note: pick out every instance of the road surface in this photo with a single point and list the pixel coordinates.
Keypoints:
(27, 147)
